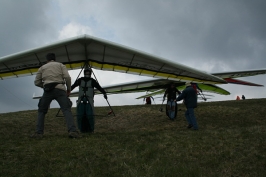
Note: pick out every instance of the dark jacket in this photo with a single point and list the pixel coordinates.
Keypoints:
(94, 84)
(171, 93)
(190, 97)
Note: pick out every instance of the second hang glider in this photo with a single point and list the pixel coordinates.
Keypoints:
(100, 54)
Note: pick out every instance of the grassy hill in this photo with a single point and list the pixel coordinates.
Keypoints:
(140, 141)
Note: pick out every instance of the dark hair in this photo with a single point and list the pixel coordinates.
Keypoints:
(50, 56)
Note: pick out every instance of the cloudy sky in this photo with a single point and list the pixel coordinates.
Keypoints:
(210, 35)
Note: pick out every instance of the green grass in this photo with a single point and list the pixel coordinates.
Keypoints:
(140, 141)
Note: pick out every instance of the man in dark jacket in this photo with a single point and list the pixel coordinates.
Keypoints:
(85, 103)
(171, 92)
(190, 100)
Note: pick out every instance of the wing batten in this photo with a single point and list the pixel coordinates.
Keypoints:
(37, 57)
(68, 58)
(103, 55)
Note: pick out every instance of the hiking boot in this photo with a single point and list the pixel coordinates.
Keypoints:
(37, 136)
(73, 134)
(190, 126)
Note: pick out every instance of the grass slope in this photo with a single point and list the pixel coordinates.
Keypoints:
(140, 141)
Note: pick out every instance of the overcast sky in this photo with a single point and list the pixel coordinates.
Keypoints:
(210, 35)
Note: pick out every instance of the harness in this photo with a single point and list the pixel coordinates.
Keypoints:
(86, 92)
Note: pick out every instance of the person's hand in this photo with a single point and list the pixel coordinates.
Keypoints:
(105, 96)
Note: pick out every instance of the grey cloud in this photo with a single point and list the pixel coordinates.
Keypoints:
(209, 35)
(24, 25)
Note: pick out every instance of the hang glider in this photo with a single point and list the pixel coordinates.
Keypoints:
(229, 77)
(76, 52)
(100, 54)
(153, 86)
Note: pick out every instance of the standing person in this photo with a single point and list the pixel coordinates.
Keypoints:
(243, 97)
(85, 103)
(148, 100)
(190, 100)
(171, 108)
(52, 77)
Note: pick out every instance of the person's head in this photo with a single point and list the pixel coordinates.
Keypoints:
(87, 72)
(188, 84)
(50, 57)
(172, 85)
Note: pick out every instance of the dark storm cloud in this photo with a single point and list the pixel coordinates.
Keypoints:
(24, 24)
(229, 31)
(214, 36)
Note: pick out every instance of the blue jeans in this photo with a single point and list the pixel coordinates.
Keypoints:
(191, 119)
(171, 109)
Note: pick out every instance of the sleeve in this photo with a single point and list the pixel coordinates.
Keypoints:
(38, 79)
(96, 85)
(66, 77)
(181, 96)
(77, 83)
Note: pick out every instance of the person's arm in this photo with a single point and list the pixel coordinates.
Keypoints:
(76, 83)
(181, 96)
(38, 79)
(96, 85)
(67, 78)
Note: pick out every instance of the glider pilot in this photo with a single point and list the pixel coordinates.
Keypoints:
(190, 100)
(171, 108)
(148, 100)
(85, 102)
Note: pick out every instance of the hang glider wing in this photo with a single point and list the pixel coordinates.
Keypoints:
(181, 86)
(209, 88)
(158, 92)
(133, 87)
(240, 82)
(229, 76)
(154, 87)
(102, 55)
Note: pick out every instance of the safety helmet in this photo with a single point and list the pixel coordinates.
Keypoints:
(87, 72)
(172, 84)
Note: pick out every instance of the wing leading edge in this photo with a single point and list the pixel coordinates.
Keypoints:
(102, 55)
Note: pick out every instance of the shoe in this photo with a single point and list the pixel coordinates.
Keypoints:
(190, 126)
(73, 134)
(37, 136)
